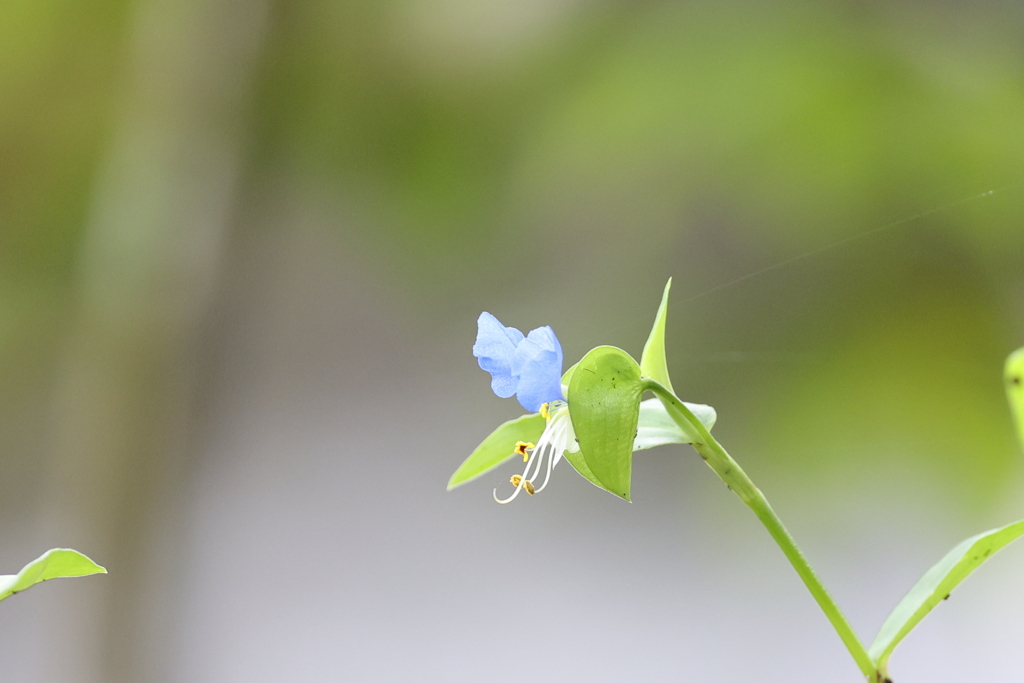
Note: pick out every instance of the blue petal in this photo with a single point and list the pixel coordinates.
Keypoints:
(495, 349)
(538, 364)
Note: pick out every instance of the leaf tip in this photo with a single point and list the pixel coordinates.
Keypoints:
(90, 566)
(653, 362)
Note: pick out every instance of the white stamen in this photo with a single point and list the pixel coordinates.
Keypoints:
(557, 438)
(522, 482)
(547, 475)
(539, 451)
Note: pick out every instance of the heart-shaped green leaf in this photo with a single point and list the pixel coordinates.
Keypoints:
(936, 585)
(604, 404)
(53, 564)
(652, 362)
(498, 447)
(1015, 389)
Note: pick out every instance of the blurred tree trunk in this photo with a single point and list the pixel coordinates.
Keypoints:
(124, 421)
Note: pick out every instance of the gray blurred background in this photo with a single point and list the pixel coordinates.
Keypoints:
(243, 246)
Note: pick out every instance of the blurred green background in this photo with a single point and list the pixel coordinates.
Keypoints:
(243, 246)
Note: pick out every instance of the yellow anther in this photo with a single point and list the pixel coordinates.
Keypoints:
(544, 412)
(516, 479)
(522, 447)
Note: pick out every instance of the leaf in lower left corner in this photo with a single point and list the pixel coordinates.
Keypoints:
(53, 564)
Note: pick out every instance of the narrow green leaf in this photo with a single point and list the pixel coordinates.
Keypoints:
(652, 362)
(604, 404)
(498, 447)
(657, 428)
(1015, 389)
(53, 564)
(936, 585)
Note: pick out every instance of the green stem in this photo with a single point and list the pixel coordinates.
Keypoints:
(737, 480)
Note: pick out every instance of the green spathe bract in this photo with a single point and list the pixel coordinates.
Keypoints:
(53, 564)
(604, 396)
(604, 404)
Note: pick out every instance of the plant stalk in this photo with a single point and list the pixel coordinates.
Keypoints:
(737, 480)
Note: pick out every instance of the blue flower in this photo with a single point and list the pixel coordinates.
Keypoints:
(529, 368)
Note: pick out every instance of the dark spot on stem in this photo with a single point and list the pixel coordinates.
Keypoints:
(1015, 379)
